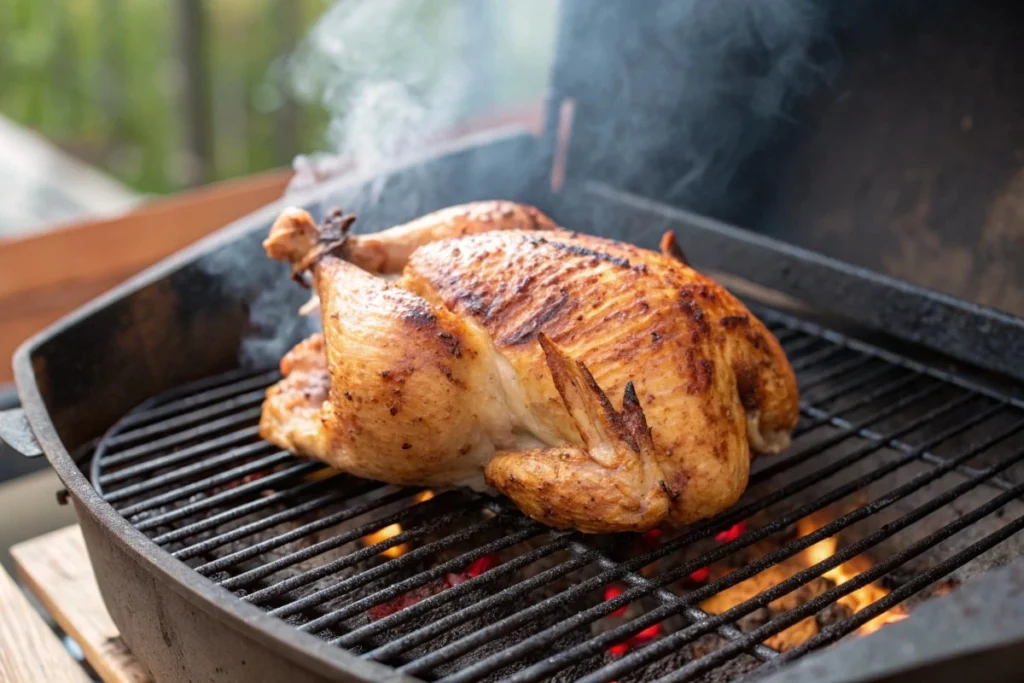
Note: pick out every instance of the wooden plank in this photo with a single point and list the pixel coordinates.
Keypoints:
(81, 251)
(42, 278)
(29, 650)
(56, 568)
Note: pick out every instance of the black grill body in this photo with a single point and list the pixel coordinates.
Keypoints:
(193, 606)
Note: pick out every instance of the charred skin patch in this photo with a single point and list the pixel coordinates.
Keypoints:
(734, 322)
(579, 250)
(549, 309)
(469, 300)
(757, 340)
(701, 372)
(451, 342)
(748, 385)
(446, 370)
(699, 328)
(419, 316)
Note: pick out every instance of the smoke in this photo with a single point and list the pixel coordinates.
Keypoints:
(686, 101)
(387, 73)
(242, 272)
(391, 76)
(690, 92)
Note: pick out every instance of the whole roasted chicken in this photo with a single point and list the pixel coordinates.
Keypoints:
(598, 385)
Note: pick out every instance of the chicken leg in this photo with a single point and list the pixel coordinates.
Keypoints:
(396, 367)
(612, 483)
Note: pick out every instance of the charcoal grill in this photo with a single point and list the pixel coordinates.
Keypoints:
(221, 558)
(188, 470)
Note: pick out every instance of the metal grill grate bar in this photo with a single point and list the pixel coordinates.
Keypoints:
(397, 589)
(845, 433)
(799, 345)
(783, 622)
(222, 478)
(822, 418)
(819, 356)
(200, 399)
(410, 558)
(865, 378)
(270, 521)
(225, 476)
(837, 631)
(692, 612)
(204, 430)
(180, 422)
(295, 534)
(238, 512)
(561, 540)
(336, 542)
(178, 457)
(231, 494)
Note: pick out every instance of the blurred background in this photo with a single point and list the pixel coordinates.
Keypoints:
(163, 95)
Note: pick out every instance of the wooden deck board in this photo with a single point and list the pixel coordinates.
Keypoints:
(56, 568)
(29, 650)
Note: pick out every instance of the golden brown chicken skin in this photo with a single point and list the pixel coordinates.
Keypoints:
(600, 386)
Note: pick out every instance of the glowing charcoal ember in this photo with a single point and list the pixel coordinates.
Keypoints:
(618, 650)
(732, 533)
(404, 600)
(701, 575)
(638, 640)
(481, 565)
(410, 598)
(612, 592)
(647, 635)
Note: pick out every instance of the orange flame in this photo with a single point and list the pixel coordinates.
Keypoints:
(771, 576)
(858, 599)
(392, 530)
(321, 474)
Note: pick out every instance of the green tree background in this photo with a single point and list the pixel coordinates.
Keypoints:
(113, 81)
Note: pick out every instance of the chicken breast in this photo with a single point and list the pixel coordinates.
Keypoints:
(600, 386)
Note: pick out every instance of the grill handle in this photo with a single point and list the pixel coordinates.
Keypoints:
(16, 434)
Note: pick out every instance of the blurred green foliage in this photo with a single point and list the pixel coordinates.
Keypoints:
(104, 80)
(111, 81)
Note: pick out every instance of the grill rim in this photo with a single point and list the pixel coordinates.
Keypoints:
(313, 655)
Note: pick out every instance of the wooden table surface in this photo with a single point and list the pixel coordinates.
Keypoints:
(55, 568)
(29, 651)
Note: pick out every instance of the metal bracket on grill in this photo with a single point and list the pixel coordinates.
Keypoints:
(16, 433)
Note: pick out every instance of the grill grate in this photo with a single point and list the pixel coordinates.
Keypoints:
(916, 469)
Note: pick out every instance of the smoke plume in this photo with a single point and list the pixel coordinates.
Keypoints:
(385, 72)
(392, 76)
(686, 101)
